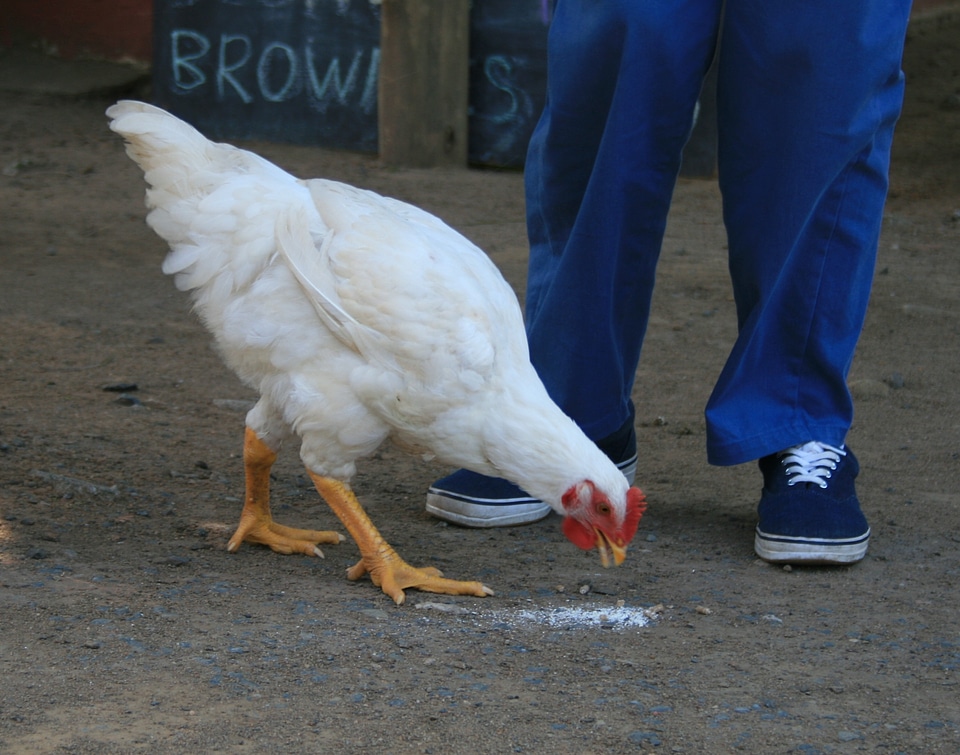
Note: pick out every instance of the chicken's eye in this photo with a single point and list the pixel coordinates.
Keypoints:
(603, 509)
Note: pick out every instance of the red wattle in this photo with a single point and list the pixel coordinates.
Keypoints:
(578, 534)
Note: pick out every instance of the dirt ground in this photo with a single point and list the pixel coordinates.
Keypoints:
(125, 626)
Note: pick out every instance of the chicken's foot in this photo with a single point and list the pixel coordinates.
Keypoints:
(378, 559)
(256, 523)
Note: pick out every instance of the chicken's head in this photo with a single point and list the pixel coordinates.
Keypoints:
(592, 519)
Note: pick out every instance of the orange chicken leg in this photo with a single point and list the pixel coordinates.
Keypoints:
(377, 558)
(256, 523)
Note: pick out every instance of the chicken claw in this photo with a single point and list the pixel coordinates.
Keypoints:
(378, 559)
(392, 575)
(286, 540)
(256, 523)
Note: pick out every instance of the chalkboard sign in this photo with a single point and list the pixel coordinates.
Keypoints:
(508, 77)
(306, 72)
(284, 70)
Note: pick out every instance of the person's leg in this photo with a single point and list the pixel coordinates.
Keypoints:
(807, 102)
(623, 81)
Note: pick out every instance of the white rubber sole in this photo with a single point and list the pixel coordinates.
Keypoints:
(778, 549)
(477, 514)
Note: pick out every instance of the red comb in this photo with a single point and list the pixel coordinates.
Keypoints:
(636, 507)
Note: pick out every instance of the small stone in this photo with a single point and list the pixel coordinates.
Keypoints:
(93, 644)
(584, 589)
(848, 736)
(895, 380)
(120, 387)
(605, 588)
(641, 737)
(173, 560)
(442, 607)
(37, 553)
(126, 399)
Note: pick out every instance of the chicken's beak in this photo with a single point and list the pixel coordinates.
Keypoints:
(607, 548)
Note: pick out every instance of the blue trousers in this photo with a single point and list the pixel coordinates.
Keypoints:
(808, 96)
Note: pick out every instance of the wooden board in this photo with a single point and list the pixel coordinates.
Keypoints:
(422, 119)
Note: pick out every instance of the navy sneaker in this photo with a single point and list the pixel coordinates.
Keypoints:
(809, 512)
(474, 500)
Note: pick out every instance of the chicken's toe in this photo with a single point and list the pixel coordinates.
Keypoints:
(394, 575)
(281, 539)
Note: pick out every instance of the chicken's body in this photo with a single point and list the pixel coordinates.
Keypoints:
(356, 318)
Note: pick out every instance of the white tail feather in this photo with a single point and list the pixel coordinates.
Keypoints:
(174, 156)
(159, 143)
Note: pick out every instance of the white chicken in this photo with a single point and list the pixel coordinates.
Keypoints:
(357, 318)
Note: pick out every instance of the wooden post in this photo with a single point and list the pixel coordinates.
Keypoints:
(423, 82)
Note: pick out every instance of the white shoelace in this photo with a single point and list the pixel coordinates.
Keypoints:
(811, 462)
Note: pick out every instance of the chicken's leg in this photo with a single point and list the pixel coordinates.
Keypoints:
(256, 523)
(378, 559)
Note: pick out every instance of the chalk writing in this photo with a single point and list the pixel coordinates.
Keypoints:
(499, 70)
(234, 67)
(509, 114)
(342, 88)
(225, 69)
(287, 89)
(186, 75)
